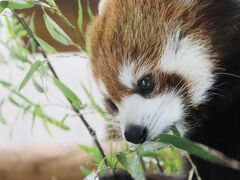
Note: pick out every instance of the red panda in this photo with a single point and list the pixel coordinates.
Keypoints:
(160, 63)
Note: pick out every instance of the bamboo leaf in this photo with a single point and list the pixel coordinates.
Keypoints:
(2, 119)
(77, 103)
(199, 150)
(47, 47)
(38, 112)
(80, 16)
(55, 31)
(94, 103)
(20, 4)
(3, 5)
(149, 149)
(122, 158)
(90, 13)
(51, 3)
(14, 102)
(93, 152)
(38, 87)
(30, 73)
(135, 167)
(5, 84)
(175, 131)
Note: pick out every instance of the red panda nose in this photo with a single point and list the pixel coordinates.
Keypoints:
(136, 134)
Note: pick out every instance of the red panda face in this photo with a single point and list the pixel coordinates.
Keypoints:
(153, 61)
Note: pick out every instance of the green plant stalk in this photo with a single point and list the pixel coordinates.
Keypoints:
(80, 115)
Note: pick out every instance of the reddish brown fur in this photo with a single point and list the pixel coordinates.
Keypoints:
(137, 30)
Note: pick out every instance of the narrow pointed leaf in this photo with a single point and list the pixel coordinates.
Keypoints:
(3, 5)
(80, 16)
(122, 158)
(2, 119)
(94, 103)
(76, 102)
(90, 13)
(199, 150)
(30, 73)
(38, 87)
(5, 84)
(135, 167)
(55, 31)
(47, 47)
(20, 5)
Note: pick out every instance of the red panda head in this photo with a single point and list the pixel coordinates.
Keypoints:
(154, 60)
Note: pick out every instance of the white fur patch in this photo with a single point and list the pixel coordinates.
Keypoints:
(129, 75)
(101, 5)
(155, 114)
(102, 88)
(126, 75)
(191, 60)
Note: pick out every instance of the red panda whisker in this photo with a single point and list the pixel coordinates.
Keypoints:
(229, 74)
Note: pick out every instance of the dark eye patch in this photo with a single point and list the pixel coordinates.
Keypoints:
(145, 85)
(111, 106)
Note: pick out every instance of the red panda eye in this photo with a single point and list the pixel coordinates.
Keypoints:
(145, 85)
(111, 106)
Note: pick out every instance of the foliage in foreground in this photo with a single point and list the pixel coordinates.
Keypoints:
(164, 155)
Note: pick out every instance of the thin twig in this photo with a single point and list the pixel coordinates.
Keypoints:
(80, 115)
(193, 167)
(159, 165)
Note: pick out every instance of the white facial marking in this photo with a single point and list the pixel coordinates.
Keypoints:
(101, 5)
(191, 60)
(126, 75)
(102, 87)
(155, 114)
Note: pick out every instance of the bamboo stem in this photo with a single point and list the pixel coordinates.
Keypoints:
(77, 111)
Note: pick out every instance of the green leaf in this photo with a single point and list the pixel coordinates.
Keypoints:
(2, 119)
(38, 112)
(14, 102)
(135, 167)
(20, 5)
(94, 103)
(51, 3)
(24, 98)
(76, 102)
(38, 87)
(122, 158)
(93, 152)
(149, 149)
(5, 84)
(85, 171)
(80, 16)
(30, 73)
(190, 147)
(90, 13)
(55, 31)
(32, 27)
(47, 47)
(175, 131)
(3, 5)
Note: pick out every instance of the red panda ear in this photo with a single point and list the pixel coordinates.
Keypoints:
(102, 5)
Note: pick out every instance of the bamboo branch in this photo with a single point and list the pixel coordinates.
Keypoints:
(194, 168)
(77, 111)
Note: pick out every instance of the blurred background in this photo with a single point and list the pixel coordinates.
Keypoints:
(30, 150)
